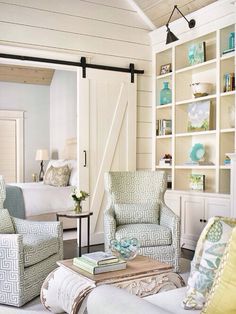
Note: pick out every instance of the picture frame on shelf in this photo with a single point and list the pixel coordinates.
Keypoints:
(197, 182)
(199, 116)
(197, 53)
(165, 68)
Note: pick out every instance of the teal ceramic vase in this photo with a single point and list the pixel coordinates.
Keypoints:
(165, 94)
(231, 40)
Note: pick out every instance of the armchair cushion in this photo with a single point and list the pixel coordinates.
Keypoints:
(147, 234)
(38, 248)
(137, 213)
(6, 225)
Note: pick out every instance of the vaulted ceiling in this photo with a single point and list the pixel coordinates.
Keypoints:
(158, 11)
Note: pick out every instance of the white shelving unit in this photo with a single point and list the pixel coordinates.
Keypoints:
(220, 138)
(213, 25)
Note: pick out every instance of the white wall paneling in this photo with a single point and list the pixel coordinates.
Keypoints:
(107, 32)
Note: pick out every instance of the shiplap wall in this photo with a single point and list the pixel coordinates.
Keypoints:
(108, 31)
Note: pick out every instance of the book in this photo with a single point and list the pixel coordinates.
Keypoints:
(100, 258)
(85, 265)
(197, 182)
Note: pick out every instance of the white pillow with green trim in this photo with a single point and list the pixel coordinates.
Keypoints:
(6, 225)
(202, 274)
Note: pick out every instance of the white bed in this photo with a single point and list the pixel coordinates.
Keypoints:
(43, 201)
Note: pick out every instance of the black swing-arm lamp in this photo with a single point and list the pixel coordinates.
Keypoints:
(170, 36)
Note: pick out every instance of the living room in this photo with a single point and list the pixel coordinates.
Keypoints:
(117, 112)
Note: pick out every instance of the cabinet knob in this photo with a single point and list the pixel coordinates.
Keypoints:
(204, 220)
(201, 220)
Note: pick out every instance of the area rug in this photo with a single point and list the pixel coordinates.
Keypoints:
(35, 306)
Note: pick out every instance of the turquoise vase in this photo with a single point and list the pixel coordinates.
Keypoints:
(165, 94)
(232, 40)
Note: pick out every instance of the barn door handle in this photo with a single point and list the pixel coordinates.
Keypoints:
(85, 158)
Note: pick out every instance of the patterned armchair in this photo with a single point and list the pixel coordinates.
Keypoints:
(136, 208)
(28, 253)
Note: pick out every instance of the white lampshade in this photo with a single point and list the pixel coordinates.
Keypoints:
(42, 154)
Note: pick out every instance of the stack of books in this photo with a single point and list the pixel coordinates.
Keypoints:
(99, 262)
(164, 127)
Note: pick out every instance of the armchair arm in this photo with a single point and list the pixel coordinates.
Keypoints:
(108, 299)
(53, 228)
(11, 268)
(109, 226)
(169, 219)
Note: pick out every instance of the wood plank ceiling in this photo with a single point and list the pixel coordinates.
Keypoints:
(27, 75)
(158, 11)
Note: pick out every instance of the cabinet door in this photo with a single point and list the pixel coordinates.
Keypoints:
(192, 216)
(217, 207)
(173, 202)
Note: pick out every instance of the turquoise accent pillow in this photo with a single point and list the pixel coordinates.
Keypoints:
(6, 225)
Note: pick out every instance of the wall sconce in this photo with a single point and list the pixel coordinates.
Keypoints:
(170, 38)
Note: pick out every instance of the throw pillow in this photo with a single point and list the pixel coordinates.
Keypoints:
(57, 176)
(71, 163)
(6, 225)
(208, 254)
(221, 299)
(137, 213)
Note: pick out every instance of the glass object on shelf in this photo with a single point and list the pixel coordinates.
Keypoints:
(232, 40)
(231, 113)
(165, 94)
(197, 152)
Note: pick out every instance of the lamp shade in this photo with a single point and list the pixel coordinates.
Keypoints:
(42, 154)
(170, 38)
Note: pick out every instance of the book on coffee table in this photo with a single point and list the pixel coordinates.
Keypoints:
(100, 258)
(91, 268)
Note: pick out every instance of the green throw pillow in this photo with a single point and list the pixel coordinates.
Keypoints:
(6, 225)
(137, 213)
(209, 252)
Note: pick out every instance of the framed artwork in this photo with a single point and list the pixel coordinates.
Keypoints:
(197, 53)
(165, 68)
(197, 182)
(199, 116)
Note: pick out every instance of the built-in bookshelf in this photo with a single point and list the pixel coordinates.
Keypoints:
(219, 136)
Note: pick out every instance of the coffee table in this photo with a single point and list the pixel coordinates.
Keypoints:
(67, 286)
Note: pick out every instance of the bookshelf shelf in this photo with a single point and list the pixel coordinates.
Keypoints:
(219, 135)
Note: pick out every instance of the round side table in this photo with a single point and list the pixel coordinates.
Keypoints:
(72, 214)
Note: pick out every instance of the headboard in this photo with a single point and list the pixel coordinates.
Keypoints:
(70, 150)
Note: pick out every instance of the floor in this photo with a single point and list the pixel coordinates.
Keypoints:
(71, 250)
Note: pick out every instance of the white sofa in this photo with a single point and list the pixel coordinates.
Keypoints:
(111, 300)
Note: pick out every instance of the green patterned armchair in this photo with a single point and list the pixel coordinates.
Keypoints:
(28, 253)
(136, 208)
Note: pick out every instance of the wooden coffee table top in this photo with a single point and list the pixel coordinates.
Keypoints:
(140, 266)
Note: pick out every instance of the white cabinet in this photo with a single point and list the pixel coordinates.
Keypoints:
(195, 212)
(192, 220)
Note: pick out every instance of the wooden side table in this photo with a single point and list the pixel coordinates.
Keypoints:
(80, 216)
(68, 286)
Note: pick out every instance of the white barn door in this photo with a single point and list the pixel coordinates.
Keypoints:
(106, 135)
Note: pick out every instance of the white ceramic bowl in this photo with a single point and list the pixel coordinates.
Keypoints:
(201, 89)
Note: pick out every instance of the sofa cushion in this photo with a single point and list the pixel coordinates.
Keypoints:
(147, 234)
(222, 296)
(6, 225)
(208, 254)
(38, 247)
(137, 213)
